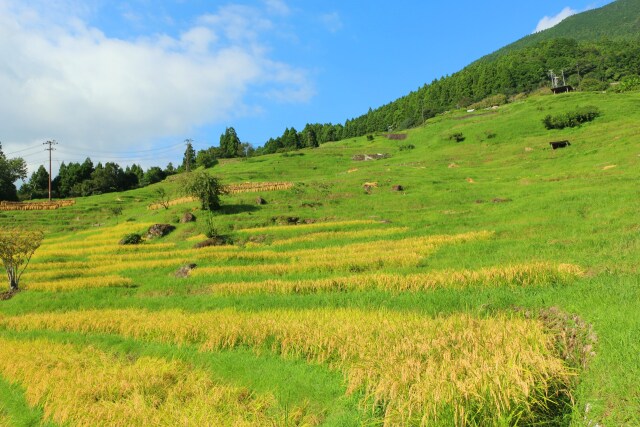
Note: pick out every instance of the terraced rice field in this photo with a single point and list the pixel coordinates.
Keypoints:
(404, 369)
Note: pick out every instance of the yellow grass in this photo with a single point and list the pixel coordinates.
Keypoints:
(87, 387)
(414, 367)
(86, 282)
(536, 274)
(59, 250)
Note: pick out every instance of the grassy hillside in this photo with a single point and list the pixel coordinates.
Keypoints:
(500, 287)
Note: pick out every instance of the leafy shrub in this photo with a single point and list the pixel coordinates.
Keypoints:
(457, 137)
(210, 229)
(489, 134)
(204, 187)
(571, 119)
(589, 84)
(131, 239)
(627, 84)
(406, 147)
(370, 137)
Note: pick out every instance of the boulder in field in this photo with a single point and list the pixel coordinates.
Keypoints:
(212, 241)
(187, 217)
(159, 230)
(185, 270)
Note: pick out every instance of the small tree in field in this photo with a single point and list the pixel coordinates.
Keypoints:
(204, 187)
(17, 246)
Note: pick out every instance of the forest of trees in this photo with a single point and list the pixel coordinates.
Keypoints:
(586, 65)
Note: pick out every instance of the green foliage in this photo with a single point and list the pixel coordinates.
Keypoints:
(189, 157)
(406, 147)
(116, 211)
(153, 175)
(38, 185)
(230, 145)
(572, 118)
(11, 170)
(131, 239)
(489, 134)
(628, 84)
(207, 158)
(204, 187)
(590, 84)
(209, 226)
(617, 20)
(457, 137)
(17, 246)
(162, 198)
(370, 138)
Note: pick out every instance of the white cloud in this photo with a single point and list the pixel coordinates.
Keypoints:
(278, 7)
(63, 79)
(551, 21)
(332, 21)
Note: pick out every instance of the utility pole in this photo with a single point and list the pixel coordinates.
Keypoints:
(50, 149)
(189, 145)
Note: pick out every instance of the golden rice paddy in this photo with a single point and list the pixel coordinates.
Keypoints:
(412, 366)
(87, 387)
(537, 274)
(406, 368)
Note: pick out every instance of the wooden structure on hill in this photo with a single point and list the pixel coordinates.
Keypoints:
(562, 89)
(556, 87)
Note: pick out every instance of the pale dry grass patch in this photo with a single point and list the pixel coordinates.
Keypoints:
(413, 367)
(87, 387)
(305, 227)
(326, 235)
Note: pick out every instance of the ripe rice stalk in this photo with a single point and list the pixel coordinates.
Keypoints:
(60, 265)
(99, 249)
(522, 275)
(110, 281)
(415, 367)
(87, 387)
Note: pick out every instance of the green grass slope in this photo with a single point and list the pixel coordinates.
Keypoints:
(578, 205)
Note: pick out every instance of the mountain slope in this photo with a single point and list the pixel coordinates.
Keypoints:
(617, 20)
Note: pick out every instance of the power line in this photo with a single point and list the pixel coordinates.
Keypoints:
(151, 150)
(24, 149)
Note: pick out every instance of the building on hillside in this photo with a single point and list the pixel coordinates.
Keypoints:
(556, 86)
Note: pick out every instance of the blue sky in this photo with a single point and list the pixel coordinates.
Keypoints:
(130, 81)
